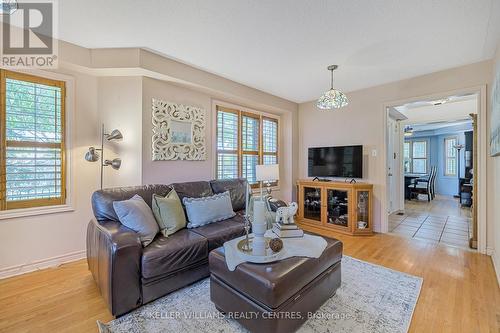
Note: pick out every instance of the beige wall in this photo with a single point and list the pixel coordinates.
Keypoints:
(119, 93)
(120, 107)
(114, 86)
(179, 171)
(494, 190)
(37, 241)
(363, 120)
(173, 171)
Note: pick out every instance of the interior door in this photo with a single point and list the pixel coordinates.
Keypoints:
(392, 157)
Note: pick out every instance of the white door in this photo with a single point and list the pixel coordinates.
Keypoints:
(391, 166)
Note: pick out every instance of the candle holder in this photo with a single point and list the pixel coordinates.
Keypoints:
(246, 245)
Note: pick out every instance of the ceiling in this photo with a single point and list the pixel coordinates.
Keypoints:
(408, 107)
(439, 125)
(456, 108)
(284, 46)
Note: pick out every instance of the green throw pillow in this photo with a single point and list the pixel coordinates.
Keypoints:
(169, 213)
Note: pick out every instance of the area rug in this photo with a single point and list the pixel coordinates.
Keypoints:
(371, 299)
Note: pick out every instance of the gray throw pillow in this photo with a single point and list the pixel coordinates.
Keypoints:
(201, 211)
(135, 214)
(168, 213)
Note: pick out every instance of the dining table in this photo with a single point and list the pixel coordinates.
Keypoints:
(410, 179)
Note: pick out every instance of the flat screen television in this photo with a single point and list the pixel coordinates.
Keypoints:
(345, 161)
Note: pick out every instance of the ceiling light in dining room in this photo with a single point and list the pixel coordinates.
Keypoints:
(333, 98)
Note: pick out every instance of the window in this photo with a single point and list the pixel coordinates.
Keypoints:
(32, 140)
(406, 155)
(450, 168)
(244, 140)
(415, 156)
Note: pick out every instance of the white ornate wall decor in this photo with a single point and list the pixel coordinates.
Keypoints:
(178, 132)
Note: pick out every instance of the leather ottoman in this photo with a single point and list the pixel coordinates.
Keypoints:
(275, 297)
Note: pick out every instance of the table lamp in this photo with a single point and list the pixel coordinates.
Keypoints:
(267, 173)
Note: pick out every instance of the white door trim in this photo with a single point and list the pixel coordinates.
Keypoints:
(482, 154)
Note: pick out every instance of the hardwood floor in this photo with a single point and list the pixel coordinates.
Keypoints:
(460, 292)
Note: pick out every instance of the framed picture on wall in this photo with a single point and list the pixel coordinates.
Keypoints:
(178, 132)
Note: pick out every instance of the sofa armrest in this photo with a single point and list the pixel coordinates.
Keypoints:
(114, 258)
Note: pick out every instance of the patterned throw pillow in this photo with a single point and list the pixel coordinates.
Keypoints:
(201, 211)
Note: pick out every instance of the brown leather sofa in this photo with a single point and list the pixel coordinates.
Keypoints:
(129, 275)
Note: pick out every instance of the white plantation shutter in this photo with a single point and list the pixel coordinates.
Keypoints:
(450, 168)
(250, 141)
(244, 140)
(32, 136)
(227, 144)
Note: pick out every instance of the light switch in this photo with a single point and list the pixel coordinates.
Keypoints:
(374, 152)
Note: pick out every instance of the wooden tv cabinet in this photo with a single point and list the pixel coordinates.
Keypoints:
(336, 206)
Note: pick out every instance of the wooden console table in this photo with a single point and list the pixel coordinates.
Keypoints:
(336, 206)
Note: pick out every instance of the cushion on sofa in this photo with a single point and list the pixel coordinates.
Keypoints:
(168, 213)
(219, 232)
(201, 211)
(192, 189)
(167, 255)
(236, 187)
(135, 214)
(102, 200)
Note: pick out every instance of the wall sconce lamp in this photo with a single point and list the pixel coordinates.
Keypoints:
(93, 154)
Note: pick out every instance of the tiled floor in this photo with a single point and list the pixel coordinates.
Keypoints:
(442, 205)
(431, 226)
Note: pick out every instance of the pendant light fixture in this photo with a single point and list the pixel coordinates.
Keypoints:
(333, 98)
(408, 131)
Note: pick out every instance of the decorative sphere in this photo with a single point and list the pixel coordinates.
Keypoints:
(276, 244)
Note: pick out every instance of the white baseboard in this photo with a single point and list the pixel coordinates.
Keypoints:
(496, 263)
(495, 258)
(41, 264)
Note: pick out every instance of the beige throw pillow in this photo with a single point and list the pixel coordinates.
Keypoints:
(168, 213)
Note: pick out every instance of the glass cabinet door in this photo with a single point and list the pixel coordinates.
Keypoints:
(337, 204)
(362, 210)
(312, 203)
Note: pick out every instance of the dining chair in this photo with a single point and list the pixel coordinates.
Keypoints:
(424, 185)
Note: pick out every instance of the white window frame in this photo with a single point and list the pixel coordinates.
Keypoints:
(215, 103)
(411, 158)
(446, 157)
(69, 115)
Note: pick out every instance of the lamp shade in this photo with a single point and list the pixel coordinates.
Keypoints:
(267, 172)
(92, 155)
(332, 99)
(114, 135)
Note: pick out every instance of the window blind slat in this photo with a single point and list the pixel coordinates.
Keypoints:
(270, 136)
(250, 134)
(249, 163)
(227, 131)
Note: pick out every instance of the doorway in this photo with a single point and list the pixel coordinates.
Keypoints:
(431, 141)
(395, 203)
